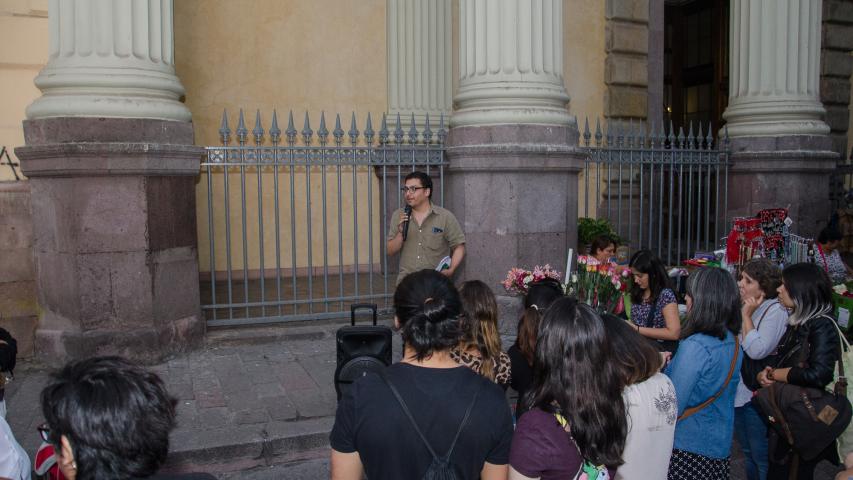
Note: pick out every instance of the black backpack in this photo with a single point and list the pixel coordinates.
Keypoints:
(439, 468)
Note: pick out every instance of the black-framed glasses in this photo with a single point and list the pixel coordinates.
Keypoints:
(405, 189)
(44, 432)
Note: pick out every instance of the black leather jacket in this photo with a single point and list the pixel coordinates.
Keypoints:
(818, 370)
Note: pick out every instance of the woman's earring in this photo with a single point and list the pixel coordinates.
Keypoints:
(74, 465)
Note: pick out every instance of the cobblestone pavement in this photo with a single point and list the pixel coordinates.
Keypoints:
(254, 404)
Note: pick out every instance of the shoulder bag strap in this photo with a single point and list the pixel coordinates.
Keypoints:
(693, 410)
(765, 313)
(843, 346)
(415, 425)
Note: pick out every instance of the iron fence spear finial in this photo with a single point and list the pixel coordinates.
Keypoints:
(242, 131)
(275, 132)
(291, 130)
(224, 131)
(383, 130)
(338, 132)
(258, 131)
(353, 130)
(368, 130)
(307, 133)
(323, 132)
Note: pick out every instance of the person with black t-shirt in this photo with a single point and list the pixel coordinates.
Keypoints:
(390, 426)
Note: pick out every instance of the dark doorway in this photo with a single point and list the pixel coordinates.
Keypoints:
(696, 72)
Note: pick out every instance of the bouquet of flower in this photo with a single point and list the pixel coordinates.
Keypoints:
(598, 284)
(518, 280)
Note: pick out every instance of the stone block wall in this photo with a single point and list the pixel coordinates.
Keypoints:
(836, 66)
(18, 306)
(626, 70)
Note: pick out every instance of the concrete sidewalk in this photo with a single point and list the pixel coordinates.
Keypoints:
(249, 398)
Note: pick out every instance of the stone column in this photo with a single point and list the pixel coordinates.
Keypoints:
(112, 167)
(419, 60)
(511, 64)
(514, 162)
(781, 151)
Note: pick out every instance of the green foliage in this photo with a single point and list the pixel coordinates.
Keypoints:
(589, 228)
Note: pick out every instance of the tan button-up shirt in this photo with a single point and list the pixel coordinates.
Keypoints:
(426, 244)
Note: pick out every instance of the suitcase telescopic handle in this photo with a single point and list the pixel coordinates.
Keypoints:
(362, 306)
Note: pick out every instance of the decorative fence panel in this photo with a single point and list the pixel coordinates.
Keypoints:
(296, 220)
(660, 190)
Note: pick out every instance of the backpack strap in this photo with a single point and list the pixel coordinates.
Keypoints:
(692, 410)
(415, 424)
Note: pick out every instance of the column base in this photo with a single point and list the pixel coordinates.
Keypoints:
(115, 241)
(146, 345)
(514, 189)
(790, 172)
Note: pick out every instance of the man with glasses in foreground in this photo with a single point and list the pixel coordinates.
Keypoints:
(431, 232)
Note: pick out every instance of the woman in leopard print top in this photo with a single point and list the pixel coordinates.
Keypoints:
(480, 349)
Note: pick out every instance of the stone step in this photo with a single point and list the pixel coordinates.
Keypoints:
(245, 447)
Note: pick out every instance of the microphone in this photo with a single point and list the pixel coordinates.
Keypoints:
(408, 212)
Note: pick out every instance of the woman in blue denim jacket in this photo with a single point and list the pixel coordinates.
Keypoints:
(700, 371)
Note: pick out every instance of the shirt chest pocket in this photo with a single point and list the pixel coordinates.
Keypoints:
(433, 241)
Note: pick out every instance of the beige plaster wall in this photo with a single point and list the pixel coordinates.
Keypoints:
(23, 52)
(583, 64)
(281, 54)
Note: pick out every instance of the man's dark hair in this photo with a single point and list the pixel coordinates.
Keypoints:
(716, 304)
(428, 307)
(425, 180)
(829, 234)
(116, 415)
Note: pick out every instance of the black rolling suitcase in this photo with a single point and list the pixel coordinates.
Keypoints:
(361, 349)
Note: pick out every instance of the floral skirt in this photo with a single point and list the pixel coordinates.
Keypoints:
(692, 466)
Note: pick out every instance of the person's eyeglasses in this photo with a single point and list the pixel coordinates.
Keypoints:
(411, 189)
(44, 432)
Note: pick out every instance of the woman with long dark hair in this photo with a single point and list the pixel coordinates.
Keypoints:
(654, 310)
(705, 372)
(576, 419)
(806, 291)
(540, 296)
(480, 349)
(388, 426)
(763, 323)
(649, 399)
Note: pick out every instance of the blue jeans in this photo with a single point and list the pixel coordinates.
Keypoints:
(751, 434)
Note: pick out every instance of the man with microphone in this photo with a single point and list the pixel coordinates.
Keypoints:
(424, 233)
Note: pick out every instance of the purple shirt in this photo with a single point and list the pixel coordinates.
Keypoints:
(541, 448)
(640, 311)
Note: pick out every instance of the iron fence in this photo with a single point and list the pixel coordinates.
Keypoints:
(296, 220)
(660, 190)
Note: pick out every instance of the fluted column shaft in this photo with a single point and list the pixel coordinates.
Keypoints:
(774, 68)
(110, 59)
(511, 63)
(419, 58)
